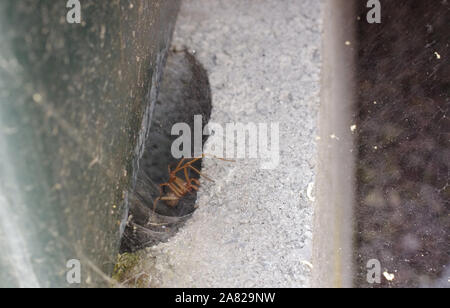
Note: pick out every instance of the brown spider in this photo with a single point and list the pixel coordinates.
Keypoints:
(181, 187)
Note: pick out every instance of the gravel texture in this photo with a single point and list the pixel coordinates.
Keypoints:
(253, 227)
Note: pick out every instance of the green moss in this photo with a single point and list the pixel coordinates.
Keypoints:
(128, 270)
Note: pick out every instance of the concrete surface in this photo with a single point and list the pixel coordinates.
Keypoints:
(335, 190)
(253, 227)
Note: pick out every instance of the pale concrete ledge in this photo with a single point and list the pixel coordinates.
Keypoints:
(333, 233)
(253, 227)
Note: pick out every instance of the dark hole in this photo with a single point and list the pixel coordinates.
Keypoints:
(185, 92)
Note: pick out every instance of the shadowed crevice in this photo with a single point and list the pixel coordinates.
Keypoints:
(185, 92)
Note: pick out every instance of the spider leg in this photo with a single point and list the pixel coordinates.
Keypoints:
(196, 181)
(209, 155)
(155, 203)
(180, 164)
(189, 181)
(186, 175)
(160, 195)
(176, 190)
(169, 199)
(187, 164)
(195, 187)
(161, 192)
(203, 175)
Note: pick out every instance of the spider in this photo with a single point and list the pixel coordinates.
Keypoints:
(179, 187)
